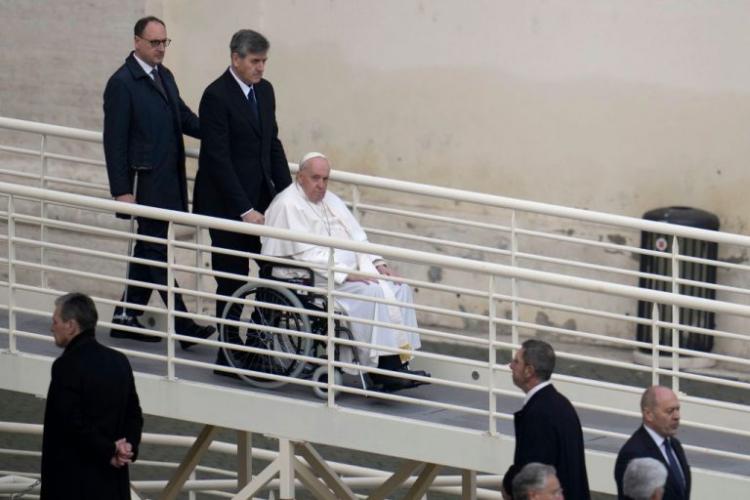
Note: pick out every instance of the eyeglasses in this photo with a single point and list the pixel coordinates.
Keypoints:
(155, 43)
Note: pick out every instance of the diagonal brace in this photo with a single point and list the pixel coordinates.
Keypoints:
(320, 467)
(396, 480)
(193, 456)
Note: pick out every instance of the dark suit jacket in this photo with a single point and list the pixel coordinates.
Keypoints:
(548, 431)
(242, 163)
(143, 128)
(641, 445)
(91, 403)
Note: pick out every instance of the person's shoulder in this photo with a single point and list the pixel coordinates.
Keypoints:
(219, 84)
(284, 199)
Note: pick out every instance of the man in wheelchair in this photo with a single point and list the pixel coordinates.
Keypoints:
(307, 206)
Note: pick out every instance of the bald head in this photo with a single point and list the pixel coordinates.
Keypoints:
(660, 409)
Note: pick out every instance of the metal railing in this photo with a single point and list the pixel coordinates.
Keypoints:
(216, 480)
(495, 312)
(18, 263)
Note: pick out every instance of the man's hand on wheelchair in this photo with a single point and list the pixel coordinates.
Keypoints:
(254, 217)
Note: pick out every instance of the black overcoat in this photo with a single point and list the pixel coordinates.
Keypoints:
(91, 403)
(242, 162)
(642, 445)
(548, 431)
(143, 128)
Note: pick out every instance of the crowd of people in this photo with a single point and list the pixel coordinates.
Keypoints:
(93, 418)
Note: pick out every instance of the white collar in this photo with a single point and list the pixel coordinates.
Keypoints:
(244, 86)
(534, 390)
(146, 66)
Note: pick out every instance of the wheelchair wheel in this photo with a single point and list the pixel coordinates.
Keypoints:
(321, 375)
(272, 342)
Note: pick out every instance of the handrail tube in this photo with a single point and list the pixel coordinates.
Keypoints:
(385, 250)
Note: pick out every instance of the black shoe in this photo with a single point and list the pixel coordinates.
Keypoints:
(221, 360)
(199, 332)
(131, 321)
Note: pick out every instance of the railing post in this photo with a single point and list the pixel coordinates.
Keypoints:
(492, 355)
(355, 203)
(198, 239)
(44, 208)
(170, 302)
(11, 276)
(286, 469)
(655, 352)
(513, 280)
(244, 458)
(330, 329)
(675, 316)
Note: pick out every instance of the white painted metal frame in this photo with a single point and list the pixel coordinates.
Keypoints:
(493, 379)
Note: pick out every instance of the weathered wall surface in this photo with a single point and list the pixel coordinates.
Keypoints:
(615, 106)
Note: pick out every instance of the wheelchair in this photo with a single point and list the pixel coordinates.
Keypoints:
(278, 310)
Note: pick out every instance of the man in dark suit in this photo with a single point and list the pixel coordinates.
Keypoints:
(144, 119)
(547, 428)
(93, 420)
(660, 410)
(242, 162)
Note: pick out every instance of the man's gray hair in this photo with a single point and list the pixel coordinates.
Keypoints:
(246, 42)
(643, 476)
(541, 356)
(310, 156)
(80, 307)
(532, 477)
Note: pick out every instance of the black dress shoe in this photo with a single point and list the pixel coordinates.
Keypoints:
(199, 332)
(133, 322)
(221, 360)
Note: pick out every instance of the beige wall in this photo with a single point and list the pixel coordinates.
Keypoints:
(615, 106)
(619, 106)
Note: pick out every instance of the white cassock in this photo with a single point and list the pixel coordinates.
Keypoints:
(292, 210)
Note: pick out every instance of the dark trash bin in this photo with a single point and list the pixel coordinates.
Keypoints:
(706, 273)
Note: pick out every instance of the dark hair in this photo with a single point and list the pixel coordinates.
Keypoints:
(79, 307)
(246, 42)
(531, 478)
(541, 356)
(140, 25)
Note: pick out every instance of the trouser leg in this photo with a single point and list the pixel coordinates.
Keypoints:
(152, 274)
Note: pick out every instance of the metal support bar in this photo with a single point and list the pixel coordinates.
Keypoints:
(193, 456)
(396, 480)
(675, 316)
(286, 469)
(655, 344)
(170, 302)
(308, 478)
(318, 464)
(514, 280)
(330, 330)
(492, 357)
(468, 485)
(259, 481)
(423, 482)
(12, 345)
(244, 458)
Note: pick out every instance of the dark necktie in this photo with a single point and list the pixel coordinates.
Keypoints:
(673, 465)
(253, 103)
(157, 81)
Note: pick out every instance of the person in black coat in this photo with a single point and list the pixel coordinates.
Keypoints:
(242, 161)
(93, 419)
(547, 428)
(144, 119)
(655, 438)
